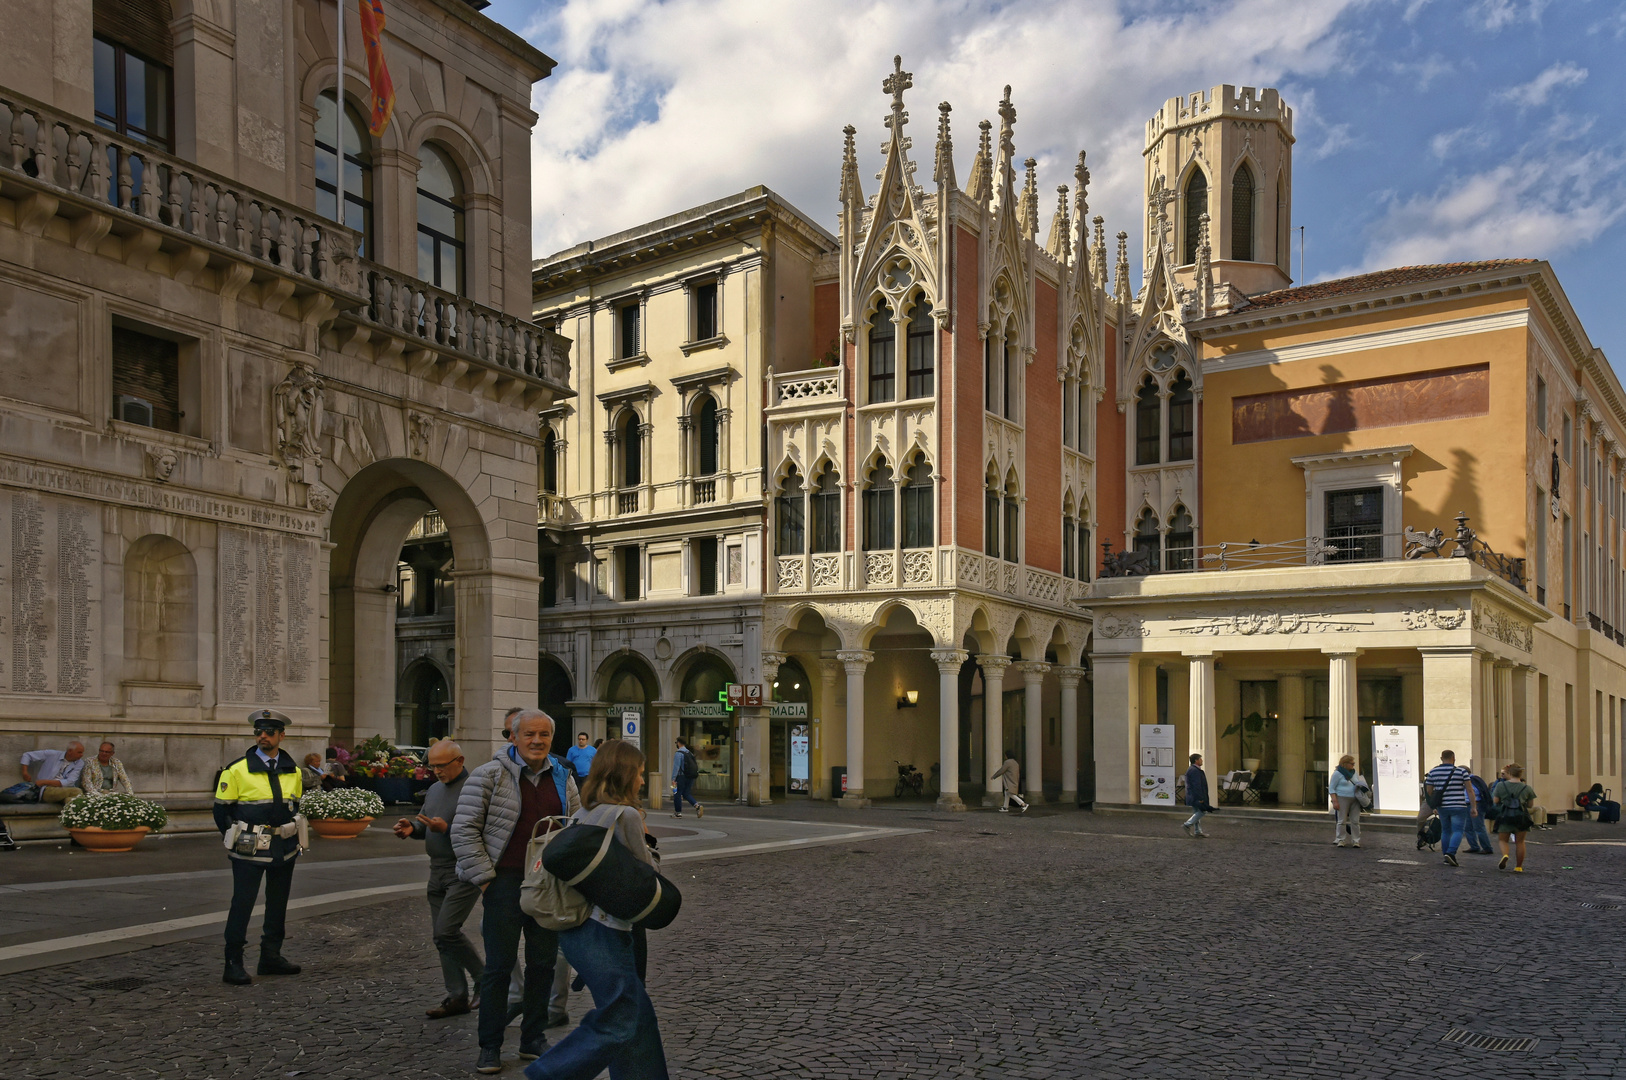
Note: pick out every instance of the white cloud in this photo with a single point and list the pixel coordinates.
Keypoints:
(660, 106)
(1463, 139)
(1499, 14)
(1338, 138)
(1539, 203)
(1538, 90)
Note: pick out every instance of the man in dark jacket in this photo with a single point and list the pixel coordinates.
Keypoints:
(450, 900)
(1196, 796)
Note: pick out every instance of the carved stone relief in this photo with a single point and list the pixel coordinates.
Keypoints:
(1250, 623)
(1433, 618)
(299, 402)
(1504, 626)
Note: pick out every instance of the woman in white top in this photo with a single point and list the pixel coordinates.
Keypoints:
(621, 1033)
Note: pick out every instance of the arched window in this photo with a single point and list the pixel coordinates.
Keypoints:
(706, 427)
(883, 357)
(1013, 529)
(358, 168)
(789, 536)
(1181, 551)
(990, 513)
(917, 506)
(1148, 424)
(1069, 532)
(1068, 405)
(550, 463)
(1182, 418)
(879, 500)
(990, 374)
(919, 368)
(1242, 214)
(631, 439)
(1196, 205)
(1148, 543)
(1081, 442)
(1085, 556)
(827, 511)
(1013, 372)
(440, 220)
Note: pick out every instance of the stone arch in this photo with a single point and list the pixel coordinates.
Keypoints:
(322, 76)
(375, 509)
(462, 147)
(630, 663)
(879, 617)
(979, 627)
(793, 623)
(416, 687)
(160, 612)
(1022, 637)
(555, 689)
(692, 663)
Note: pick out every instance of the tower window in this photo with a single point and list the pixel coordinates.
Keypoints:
(883, 340)
(1242, 214)
(1196, 205)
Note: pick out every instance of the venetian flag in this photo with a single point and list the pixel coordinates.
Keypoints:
(372, 39)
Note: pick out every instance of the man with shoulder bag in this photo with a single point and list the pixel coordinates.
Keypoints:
(1446, 786)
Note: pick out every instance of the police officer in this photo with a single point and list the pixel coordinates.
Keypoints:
(257, 810)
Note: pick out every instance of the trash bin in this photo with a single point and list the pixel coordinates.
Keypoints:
(838, 781)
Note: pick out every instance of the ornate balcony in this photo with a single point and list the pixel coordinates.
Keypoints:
(819, 386)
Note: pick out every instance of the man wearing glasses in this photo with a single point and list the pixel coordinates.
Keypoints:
(450, 900)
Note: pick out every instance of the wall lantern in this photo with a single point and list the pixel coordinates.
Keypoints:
(909, 700)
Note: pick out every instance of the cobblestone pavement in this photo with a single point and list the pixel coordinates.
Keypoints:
(1054, 944)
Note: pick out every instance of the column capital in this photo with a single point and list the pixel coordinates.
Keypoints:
(830, 668)
(993, 664)
(1501, 663)
(1210, 655)
(1335, 652)
(772, 660)
(1033, 671)
(1069, 676)
(856, 660)
(950, 658)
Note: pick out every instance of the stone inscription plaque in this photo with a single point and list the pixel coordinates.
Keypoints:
(267, 617)
(50, 595)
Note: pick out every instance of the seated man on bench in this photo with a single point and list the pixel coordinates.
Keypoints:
(55, 773)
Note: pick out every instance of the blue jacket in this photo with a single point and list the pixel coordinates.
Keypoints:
(1196, 787)
(677, 763)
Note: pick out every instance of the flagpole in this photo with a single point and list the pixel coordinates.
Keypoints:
(338, 116)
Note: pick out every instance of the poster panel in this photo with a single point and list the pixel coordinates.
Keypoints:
(799, 759)
(1157, 765)
(1395, 760)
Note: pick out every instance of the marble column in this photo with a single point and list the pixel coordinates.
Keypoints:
(1069, 677)
(993, 724)
(1290, 736)
(1033, 673)
(824, 729)
(659, 753)
(857, 661)
(1203, 725)
(1118, 716)
(1526, 692)
(1453, 699)
(949, 662)
(1503, 751)
(1343, 730)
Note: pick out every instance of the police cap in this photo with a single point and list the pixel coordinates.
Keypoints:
(268, 720)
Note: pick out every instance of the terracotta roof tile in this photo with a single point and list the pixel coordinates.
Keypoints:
(1380, 279)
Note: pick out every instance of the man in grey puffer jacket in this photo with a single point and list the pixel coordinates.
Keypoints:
(501, 804)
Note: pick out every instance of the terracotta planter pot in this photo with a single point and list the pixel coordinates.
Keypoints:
(332, 829)
(96, 839)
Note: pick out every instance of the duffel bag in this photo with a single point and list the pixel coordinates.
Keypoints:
(602, 870)
(544, 897)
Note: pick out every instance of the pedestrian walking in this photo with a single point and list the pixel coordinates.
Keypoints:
(1011, 774)
(502, 803)
(450, 899)
(1513, 799)
(257, 811)
(1196, 797)
(1479, 842)
(1448, 783)
(685, 770)
(621, 1033)
(1346, 808)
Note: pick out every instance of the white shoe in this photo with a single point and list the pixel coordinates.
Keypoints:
(1024, 808)
(1337, 843)
(1004, 809)
(1204, 835)
(1355, 843)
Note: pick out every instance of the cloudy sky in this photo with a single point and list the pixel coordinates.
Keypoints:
(1428, 130)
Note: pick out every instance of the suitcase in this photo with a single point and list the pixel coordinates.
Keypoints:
(1609, 813)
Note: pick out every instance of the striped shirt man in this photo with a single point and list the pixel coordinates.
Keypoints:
(1451, 779)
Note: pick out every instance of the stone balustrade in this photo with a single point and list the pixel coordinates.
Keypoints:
(817, 386)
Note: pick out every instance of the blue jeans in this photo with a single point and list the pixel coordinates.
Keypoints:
(1478, 839)
(501, 925)
(685, 793)
(621, 1032)
(1453, 823)
(1196, 819)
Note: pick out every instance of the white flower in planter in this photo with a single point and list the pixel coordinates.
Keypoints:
(112, 812)
(341, 804)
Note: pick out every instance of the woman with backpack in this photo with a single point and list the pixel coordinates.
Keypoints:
(1343, 790)
(620, 1033)
(1513, 797)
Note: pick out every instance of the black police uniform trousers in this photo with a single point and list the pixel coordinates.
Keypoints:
(245, 879)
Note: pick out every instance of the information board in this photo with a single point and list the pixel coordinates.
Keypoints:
(798, 780)
(1157, 765)
(1394, 758)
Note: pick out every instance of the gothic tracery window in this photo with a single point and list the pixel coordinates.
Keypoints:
(919, 363)
(883, 340)
(879, 500)
(917, 506)
(1148, 541)
(789, 534)
(1242, 214)
(1148, 423)
(826, 502)
(1182, 418)
(1180, 544)
(1195, 206)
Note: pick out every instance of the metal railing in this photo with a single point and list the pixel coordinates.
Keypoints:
(1360, 547)
(160, 191)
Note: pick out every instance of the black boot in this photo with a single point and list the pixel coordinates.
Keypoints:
(235, 974)
(272, 962)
